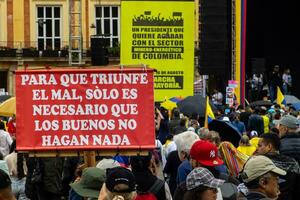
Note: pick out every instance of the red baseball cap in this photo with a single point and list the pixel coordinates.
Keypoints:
(206, 153)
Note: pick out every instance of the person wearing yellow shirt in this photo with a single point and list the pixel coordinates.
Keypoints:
(245, 146)
(254, 138)
(266, 119)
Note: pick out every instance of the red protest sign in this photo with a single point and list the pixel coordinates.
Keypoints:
(85, 109)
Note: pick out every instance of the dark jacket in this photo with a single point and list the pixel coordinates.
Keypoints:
(291, 181)
(275, 79)
(171, 167)
(244, 117)
(290, 146)
(240, 126)
(284, 162)
(256, 123)
(145, 180)
(30, 187)
(52, 174)
(179, 129)
(163, 130)
(68, 174)
(255, 196)
(173, 123)
(180, 191)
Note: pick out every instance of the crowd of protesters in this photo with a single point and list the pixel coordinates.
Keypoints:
(263, 85)
(190, 162)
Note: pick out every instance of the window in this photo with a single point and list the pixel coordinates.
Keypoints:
(48, 27)
(108, 24)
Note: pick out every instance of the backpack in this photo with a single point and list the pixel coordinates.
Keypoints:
(229, 189)
(150, 194)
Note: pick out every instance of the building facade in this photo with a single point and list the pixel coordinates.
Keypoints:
(36, 33)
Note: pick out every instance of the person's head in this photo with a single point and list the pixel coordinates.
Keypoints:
(244, 141)
(120, 184)
(263, 110)
(204, 154)
(141, 163)
(261, 175)
(184, 142)
(194, 123)
(287, 124)
(146, 163)
(195, 116)
(201, 184)
(203, 133)
(257, 110)
(5, 187)
(175, 113)
(182, 122)
(268, 142)
(107, 163)
(276, 68)
(164, 112)
(236, 117)
(274, 130)
(277, 115)
(90, 183)
(214, 137)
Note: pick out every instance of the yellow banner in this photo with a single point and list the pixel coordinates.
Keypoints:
(238, 16)
(161, 34)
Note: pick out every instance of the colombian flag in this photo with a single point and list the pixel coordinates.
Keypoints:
(280, 98)
(209, 115)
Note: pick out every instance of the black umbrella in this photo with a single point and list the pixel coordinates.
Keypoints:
(226, 130)
(4, 97)
(196, 103)
(261, 103)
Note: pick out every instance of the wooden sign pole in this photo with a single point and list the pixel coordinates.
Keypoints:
(89, 158)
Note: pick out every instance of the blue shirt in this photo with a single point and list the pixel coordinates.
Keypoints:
(183, 170)
(240, 126)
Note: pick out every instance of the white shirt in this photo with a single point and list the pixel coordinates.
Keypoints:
(287, 79)
(217, 98)
(169, 148)
(5, 142)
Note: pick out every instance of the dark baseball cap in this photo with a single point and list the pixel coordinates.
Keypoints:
(120, 175)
